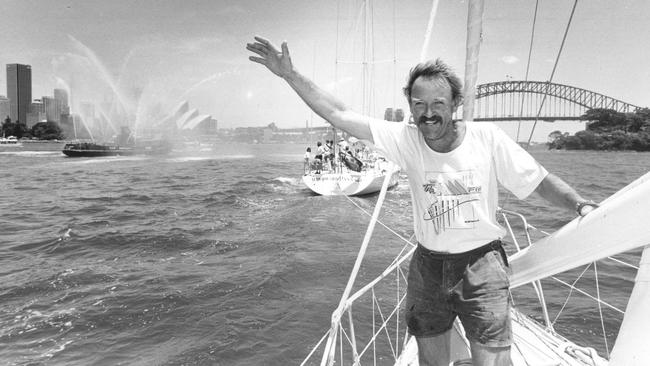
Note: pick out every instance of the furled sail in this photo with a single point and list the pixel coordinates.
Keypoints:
(618, 225)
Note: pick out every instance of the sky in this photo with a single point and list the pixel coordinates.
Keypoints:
(154, 54)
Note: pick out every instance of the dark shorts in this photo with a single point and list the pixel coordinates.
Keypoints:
(473, 286)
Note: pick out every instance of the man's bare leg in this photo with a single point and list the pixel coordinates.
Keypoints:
(434, 351)
(490, 356)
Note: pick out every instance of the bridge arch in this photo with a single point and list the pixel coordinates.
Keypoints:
(516, 100)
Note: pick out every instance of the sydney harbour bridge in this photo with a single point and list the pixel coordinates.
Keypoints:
(539, 100)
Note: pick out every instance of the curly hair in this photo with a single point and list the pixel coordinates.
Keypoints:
(435, 69)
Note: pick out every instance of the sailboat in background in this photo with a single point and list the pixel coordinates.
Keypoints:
(345, 181)
(617, 226)
(349, 173)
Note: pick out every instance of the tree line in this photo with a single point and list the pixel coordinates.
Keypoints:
(42, 130)
(607, 129)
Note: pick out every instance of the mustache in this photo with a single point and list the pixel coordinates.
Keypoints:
(434, 118)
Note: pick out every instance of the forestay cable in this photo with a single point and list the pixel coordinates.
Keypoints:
(548, 83)
(530, 52)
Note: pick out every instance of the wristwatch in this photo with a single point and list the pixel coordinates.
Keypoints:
(580, 205)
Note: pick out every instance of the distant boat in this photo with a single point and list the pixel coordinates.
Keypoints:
(126, 146)
(91, 149)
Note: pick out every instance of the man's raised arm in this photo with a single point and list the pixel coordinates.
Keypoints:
(320, 101)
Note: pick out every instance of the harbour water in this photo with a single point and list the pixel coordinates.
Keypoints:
(218, 256)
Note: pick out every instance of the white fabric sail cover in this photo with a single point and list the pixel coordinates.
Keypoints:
(618, 225)
(631, 346)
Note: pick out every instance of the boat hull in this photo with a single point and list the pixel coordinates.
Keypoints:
(75, 153)
(78, 150)
(348, 183)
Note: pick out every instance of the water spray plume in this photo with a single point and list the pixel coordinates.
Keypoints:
(212, 77)
(105, 102)
(104, 74)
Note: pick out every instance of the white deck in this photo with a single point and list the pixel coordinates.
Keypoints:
(533, 346)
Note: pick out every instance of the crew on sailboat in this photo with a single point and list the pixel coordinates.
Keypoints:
(307, 161)
(328, 154)
(350, 161)
(318, 158)
(459, 268)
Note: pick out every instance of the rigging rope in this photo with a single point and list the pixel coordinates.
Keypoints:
(530, 52)
(379, 222)
(600, 309)
(566, 301)
(589, 296)
(557, 60)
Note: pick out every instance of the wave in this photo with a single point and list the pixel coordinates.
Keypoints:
(32, 153)
(184, 159)
(103, 160)
(288, 180)
(238, 156)
(48, 245)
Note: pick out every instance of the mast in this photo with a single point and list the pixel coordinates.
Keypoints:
(310, 123)
(427, 34)
(474, 29)
(368, 51)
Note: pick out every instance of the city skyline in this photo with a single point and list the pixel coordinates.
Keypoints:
(23, 107)
(173, 52)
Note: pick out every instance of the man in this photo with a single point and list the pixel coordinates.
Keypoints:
(328, 154)
(307, 164)
(320, 151)
(459, 268)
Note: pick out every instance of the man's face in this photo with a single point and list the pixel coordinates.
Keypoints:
(432, 107)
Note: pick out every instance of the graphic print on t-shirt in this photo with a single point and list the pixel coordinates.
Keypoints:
(450, 199)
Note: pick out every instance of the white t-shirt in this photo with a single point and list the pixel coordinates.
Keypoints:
(455, 194)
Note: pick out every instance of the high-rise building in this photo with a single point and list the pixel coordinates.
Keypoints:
(53, 109)
(36, 113)
(19, 91)
(4, 108)
(62, 96)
